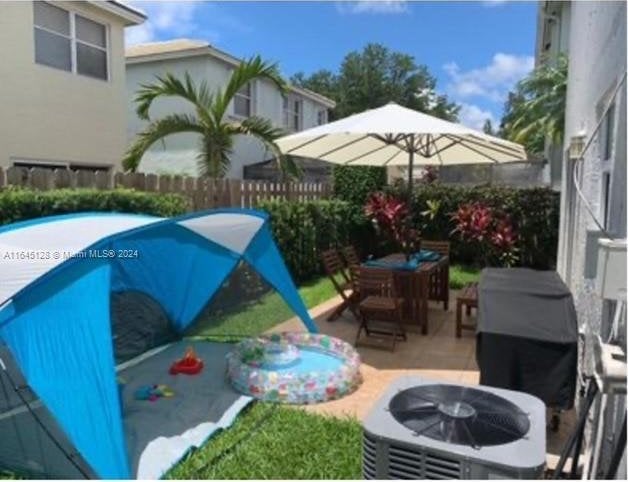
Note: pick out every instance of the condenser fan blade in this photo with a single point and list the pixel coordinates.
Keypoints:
(459, 415)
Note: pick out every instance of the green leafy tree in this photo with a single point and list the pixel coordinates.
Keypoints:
(209, 120)
(488, 128)
(376, 76)
(535, 111)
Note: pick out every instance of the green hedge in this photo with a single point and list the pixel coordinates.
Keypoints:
(18, 204)
(534, 213)
(354, 183)
(304, 229)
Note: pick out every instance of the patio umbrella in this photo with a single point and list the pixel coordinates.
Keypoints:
(393, 135)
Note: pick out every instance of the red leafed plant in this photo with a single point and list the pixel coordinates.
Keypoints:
(491, 229)
(390, 216)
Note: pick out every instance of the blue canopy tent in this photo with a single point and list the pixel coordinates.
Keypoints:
(57, 276)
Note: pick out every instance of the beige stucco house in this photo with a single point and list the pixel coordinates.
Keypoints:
(62, 77)
(300, 109)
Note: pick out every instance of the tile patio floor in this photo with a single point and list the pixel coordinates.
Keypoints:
(439, 355)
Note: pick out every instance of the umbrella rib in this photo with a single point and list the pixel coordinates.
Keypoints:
(393, 156)
(356, 158)
(306, 143)
(477, 151)
(500, 149)
(451, 144)
(392, 141)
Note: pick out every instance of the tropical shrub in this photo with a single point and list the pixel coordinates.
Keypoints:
(303, 230)
(490, 229)
(533, 213)
(17, 204)
(354, 184)
(390, 218)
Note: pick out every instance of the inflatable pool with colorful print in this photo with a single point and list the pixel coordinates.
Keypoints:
(296, 368)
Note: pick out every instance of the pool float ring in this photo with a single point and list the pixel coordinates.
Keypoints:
(261, 367)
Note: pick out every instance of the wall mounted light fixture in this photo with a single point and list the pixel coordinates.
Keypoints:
(576, 146)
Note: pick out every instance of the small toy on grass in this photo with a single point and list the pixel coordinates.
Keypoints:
(190, 364)
(153, 392)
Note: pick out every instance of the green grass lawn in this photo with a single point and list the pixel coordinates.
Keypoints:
(289, 444)
(460, 275)
(269, 310)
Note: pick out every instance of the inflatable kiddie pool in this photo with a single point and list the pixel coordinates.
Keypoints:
(297, 368)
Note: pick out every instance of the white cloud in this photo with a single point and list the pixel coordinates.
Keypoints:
(171, 19)
(474, 117)
(175, 19)
(373, 6)
(493, 81)
(493, 3)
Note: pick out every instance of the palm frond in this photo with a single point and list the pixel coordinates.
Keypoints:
(155, 131)
(541, 113)
(264, 131)
(249, 70)
(171, 86)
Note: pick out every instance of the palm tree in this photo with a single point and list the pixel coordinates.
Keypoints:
(209, 120)
(536, 110)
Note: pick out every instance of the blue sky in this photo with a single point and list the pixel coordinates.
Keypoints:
(476, 50)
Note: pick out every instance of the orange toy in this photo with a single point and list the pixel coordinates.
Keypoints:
(190, 364)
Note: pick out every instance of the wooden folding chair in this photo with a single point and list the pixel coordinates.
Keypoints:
(335, 270)
(440, 247)
(352, 261)
(436, 282)
(379, 306)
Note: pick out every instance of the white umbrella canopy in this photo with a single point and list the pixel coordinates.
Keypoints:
(393, 135)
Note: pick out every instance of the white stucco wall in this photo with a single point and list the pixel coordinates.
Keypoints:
(597, 61)
(178, 154)
(48, 114)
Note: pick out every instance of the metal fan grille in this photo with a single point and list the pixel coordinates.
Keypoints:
(459, 415)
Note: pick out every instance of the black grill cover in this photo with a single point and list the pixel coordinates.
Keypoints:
(527, 335)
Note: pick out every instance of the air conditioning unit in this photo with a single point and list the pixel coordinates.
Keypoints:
(611, 269)
(422, 429)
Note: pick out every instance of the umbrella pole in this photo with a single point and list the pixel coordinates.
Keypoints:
(410, 145)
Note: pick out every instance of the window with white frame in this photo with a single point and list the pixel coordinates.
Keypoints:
(68, 41)
(243, 101)
(607, 149)
(321, 117)
(292, 113)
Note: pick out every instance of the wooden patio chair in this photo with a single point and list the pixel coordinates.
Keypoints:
(380, 308)
(443, 248)
(342, 283)
(440, 247)
(352, 260)
(467, 298)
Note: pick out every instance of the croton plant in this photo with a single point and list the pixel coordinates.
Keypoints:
(391, 218)
(490, 228)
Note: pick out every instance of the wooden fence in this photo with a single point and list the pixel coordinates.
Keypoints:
(203, 193)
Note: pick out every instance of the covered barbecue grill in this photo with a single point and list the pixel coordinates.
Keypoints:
(527, 334)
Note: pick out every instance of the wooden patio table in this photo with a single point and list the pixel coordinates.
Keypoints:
(430, 281)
